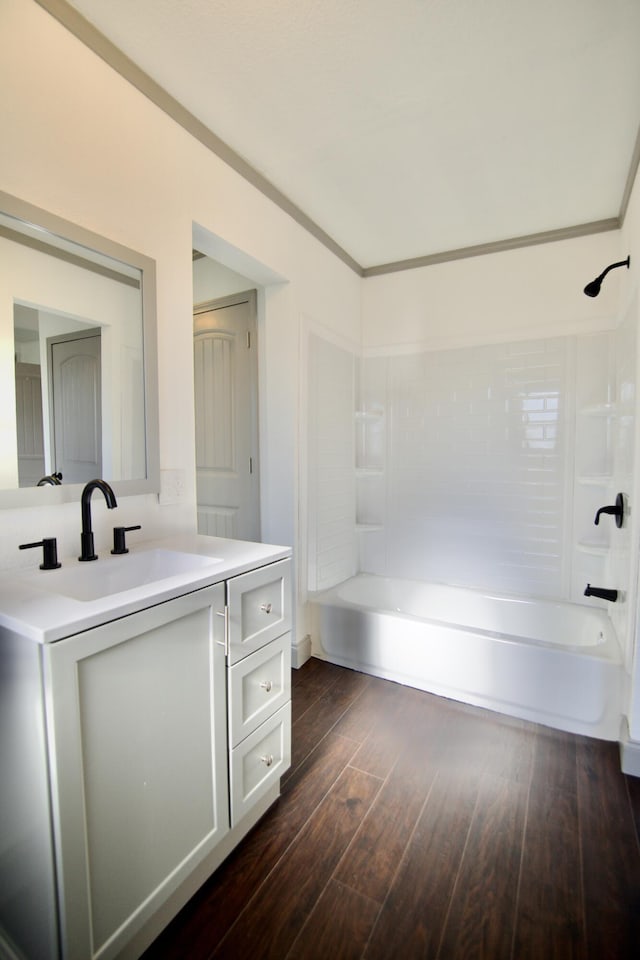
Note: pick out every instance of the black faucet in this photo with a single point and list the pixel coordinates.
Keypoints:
(601, 592)
(86, 537)
(617, 510)
(54, 479)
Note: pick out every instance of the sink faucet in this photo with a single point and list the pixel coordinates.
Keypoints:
(86, 537)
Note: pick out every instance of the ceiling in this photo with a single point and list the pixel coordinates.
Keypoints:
(404, 129)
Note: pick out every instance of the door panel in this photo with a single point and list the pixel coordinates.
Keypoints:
(225, 378)
(29, 424)
(76, 387)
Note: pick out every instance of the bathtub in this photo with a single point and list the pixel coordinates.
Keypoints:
(551, 662)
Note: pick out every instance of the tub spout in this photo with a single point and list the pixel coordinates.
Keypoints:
(601, 592)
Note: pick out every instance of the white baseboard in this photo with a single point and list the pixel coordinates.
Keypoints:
(300, 651)
(629, 753)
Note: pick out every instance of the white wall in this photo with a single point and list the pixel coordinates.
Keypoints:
(79, 141)
(211, 280)
(519, 294)
(331, 547)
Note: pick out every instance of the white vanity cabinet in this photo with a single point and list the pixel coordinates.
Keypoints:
(138, 748)
(137, 721)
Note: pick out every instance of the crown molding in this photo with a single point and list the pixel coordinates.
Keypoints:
(496, 246)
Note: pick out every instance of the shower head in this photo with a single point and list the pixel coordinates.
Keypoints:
(593, 289)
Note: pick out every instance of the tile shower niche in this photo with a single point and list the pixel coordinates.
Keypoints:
(370, 455)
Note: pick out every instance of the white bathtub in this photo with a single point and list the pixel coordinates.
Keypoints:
(550, 662)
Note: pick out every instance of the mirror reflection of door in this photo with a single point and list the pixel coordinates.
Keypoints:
(29, 424)
(226, 415)
(75, 398)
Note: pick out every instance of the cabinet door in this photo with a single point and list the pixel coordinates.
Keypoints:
(259, 608)
(137, 735)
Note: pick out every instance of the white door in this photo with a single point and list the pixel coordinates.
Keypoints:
(76, 405)
(226, 415)
(29, 424)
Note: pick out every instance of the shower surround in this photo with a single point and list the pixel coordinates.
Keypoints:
(474, 470)
(481, 467)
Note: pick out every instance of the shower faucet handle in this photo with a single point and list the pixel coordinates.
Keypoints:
(616, 509)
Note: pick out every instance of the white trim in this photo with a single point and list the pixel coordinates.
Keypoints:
(629, 752)
(301, 651)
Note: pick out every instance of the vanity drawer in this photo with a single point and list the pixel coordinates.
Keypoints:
(259, 605)
(258, 686)
(259, 761)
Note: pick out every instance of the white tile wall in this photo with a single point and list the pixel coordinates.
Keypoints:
(622, 566)
(475, 464)
(594, 432)
(331, 460)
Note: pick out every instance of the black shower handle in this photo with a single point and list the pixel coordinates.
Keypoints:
(616, 509)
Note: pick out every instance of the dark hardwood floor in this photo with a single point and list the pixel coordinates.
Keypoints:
(412, 826)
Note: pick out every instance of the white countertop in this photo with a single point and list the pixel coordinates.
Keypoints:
(34, 605)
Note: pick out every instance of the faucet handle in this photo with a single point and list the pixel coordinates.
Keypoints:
(616, 509)
(49, 552)
(119, 543)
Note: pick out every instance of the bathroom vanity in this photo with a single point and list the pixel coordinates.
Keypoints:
(145, 724)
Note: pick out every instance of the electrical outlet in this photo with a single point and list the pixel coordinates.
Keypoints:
(172, 486)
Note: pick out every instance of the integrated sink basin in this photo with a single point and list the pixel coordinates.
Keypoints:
(112, 575)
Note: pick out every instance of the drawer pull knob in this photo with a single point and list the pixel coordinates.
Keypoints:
(266, 685)
(267, 759)
(266, 607)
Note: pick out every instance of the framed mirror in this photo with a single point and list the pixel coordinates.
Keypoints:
(78, 361)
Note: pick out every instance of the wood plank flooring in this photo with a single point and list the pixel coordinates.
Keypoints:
(411, 826)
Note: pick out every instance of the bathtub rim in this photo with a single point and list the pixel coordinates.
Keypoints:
(600, 717)
(609, 649)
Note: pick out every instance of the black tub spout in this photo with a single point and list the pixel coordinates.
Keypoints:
(602, 592)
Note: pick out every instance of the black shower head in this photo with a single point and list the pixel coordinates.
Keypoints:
(593, 289)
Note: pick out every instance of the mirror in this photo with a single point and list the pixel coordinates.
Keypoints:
(78, 381)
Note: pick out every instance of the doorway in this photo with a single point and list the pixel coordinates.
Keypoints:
(226, 417)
